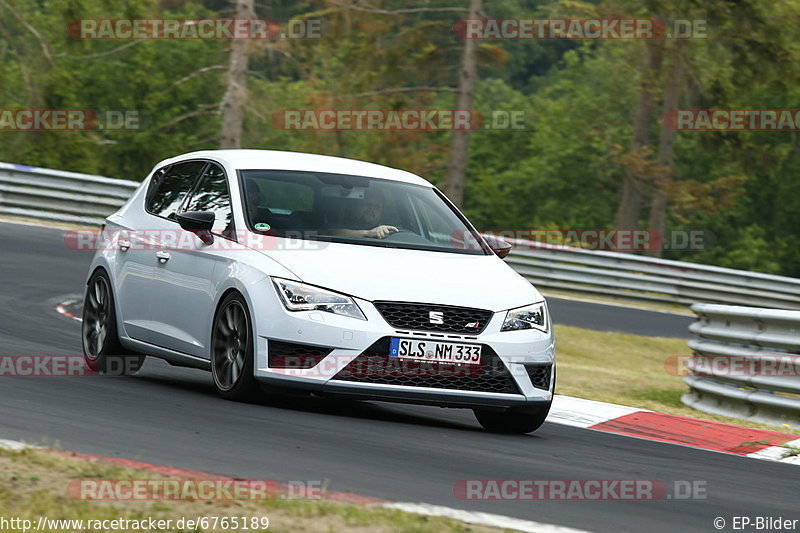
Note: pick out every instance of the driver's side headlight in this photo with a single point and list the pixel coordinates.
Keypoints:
(298, 296)
(529, 317)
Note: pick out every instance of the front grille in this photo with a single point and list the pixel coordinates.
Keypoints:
(375, 366)
(291, 355)
(418, 317)
(540, 375)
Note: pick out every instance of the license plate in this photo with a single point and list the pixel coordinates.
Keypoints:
(426, 350)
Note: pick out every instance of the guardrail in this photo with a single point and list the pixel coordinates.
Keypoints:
(61, 196)
(746, 363)
(650, 279)
(82, 198)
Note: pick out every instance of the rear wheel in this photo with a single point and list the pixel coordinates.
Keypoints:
(101, 347)
(513, 420)
(232, 350)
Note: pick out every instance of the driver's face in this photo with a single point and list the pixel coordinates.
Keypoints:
(369, 212)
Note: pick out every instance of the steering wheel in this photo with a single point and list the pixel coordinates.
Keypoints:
(399, 231)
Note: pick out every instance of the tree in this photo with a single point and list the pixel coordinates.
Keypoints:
(459, 143)
(674, 83)
(233, 102)
(633, 191)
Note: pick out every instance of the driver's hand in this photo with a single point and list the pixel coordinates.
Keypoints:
(381, 232)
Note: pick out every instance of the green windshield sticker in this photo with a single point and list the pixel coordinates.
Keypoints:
(262, 227)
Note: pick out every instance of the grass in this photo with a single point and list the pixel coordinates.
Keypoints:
(628, 370)
(34, 483)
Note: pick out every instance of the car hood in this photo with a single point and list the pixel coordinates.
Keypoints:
(378, 273)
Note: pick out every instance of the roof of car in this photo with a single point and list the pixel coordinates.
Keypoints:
(278, 160)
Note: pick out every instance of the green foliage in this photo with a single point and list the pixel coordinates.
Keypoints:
(563, 169)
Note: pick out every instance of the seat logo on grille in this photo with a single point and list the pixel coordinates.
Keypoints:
(436, 317)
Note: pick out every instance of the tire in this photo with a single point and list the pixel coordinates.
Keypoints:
(513, 420)
(102, 350)
(516, 420)
(232, 350)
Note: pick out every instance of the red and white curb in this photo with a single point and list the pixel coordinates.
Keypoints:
(62, 309)
(470, 517)
(673, 429)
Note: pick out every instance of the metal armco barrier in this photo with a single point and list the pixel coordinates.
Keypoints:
(643, 278)
(61, 196)
(756, 372)
(82, 198)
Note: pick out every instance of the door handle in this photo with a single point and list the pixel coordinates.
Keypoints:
(163, 257)
(124, 245)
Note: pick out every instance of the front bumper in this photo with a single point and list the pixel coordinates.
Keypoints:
(346, 339)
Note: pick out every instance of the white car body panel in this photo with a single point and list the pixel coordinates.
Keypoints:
(375, 273)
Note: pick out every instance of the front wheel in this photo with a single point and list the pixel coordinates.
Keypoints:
(232, 350)
(513, 420)
(102, 350)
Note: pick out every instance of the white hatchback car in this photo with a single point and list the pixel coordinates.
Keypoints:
(284, 271)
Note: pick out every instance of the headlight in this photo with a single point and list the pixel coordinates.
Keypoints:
(301, 297)
(528, 317)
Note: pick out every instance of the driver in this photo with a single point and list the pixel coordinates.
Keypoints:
(365, 217)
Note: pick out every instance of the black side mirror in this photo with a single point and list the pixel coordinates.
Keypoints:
(500, 247)
(199, 223)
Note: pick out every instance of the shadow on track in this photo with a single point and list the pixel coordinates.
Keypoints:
(178, 378)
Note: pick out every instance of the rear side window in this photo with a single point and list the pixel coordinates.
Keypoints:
(212, 195)
(168, 189)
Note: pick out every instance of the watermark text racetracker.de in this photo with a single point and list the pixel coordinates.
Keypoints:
(430, 365)
(70, 119)
(47, 366)
(194, 489)
(733, 119)
(194, 29)
(398, 119)
(623, 240)
(579, 29)
(734, 366)
(579, 490)
(43, 366)
(179, 239)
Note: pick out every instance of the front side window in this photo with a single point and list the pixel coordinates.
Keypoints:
(212, 195)
(354, 210)
(169, 188)
(439, 223)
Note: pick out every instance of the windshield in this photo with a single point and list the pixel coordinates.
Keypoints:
(354, 210)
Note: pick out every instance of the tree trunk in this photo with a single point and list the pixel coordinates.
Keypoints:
(232, 106)
(666, 142)
(459, 143)
(632, 196)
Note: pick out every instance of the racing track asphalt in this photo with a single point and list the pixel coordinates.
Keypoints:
(171, 416)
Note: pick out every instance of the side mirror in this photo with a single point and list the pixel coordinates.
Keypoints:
(199, 223)
(500, 247)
